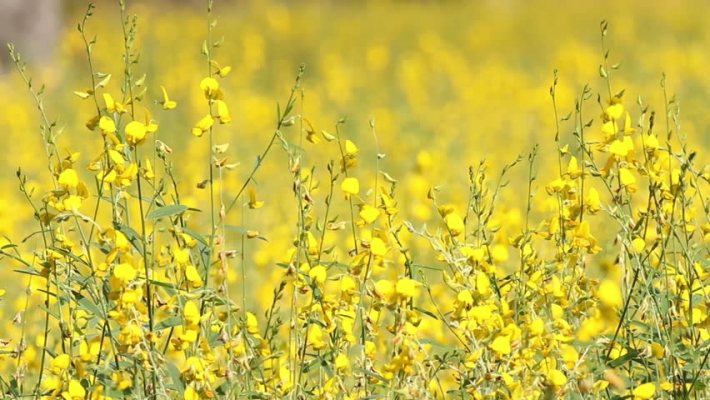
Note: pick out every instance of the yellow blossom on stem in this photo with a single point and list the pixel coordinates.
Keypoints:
(167, 103)
(628, 180)
(593, 202)
(69, 178)
(454, 223)
(318, 274)
(223, 112)
(615, 109)
(210, 86)
(107, 125)
(350, 186)
(501, 345)
(369, 213)
(253, 202)
(203, 125)
(378, 247)
(75, 391)
(350, 148)
(221, 71)
(406, 288)
(645, 391)
(135, 133)
(191, 313)
(60, 363)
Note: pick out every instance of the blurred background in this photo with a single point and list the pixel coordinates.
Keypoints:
(449, 83)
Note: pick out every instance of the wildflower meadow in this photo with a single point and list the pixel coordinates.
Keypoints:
(358, 200)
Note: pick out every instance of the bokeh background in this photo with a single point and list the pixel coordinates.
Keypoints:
(448, 84)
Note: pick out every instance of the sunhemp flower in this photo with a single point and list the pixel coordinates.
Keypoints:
(167, 103)
(75, 391)
(68, 178)
(221, 71)
(210, 86)
(112, 105)
(253, 202)
(203, 125)
(454, 223)
(350, 186)
(369, 213)
(135, 133)
(350, 148)
(223, 112)
(107, 125)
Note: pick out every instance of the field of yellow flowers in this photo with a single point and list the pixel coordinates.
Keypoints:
(359, 200)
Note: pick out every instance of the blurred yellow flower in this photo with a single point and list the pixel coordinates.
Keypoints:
(253, 202)
(167, 103)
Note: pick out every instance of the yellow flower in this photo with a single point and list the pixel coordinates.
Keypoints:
(573, 168)
(369, 213)
(191, 313)
(223, 112)
(253, 202)
(350, 186)
(75, 391)
(107, 125)
(350, 148)
(318, 274)
(501, 345)
(384, 289)
(191, 394)
(60, 363)
(203, 125)
(110, 103)
(378, 247)
(69, 178)
(618, 148)
(135, 133)
(210, 86)
(316, 337)
(593, 202)
(628, 180)
(454, 223)
(650, 142)
(645, 391)
(406, 288)
(616, 109)
(167, 103)
(221, 71)
(124, 272)
(609, 293)
(556, 377)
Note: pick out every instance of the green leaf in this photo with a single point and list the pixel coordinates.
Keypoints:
(426, 312)
(168, 323)
(28, 271)
(198, 236)
(87, 304)
(629, 356)
(371, 374)
(166, 211)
